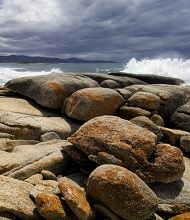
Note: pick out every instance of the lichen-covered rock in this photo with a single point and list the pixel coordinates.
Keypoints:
(145, 100)
(86, 104)
(49, 206)
(15, 198)
(45, 186)
(183, 216)
(181, 117)
(75, 196)
(110, 139)
(145, 122)
(42, 88)
(121, 191)
(129, 112)
(172, 96)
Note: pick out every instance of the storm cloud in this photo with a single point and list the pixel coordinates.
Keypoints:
(95, 29)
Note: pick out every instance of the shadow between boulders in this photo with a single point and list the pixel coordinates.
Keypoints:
(167, 191)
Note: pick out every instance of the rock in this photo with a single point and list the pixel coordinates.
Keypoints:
(43, 87)
(124, 93)
(151, 78)
(184, 216)
(27, 127)
(174, 198)
(75, 197)
(48, 175)
(185, 143)
(8, 145)
(130, 144)
(172, 96)
(49, 136)
(145, 100)
(45, 186)
(15, 198)
(172, 136)
(23, 105)
(34, 179)
(121, 81)
(181, 117)
(111, 186)
(127, 112)
(109, 83)
(49, 206)
(86, 104)
(145, 122)
(158, 120)
(27, 160)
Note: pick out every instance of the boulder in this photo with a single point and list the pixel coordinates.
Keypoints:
(172, 96)
(129, 112)
(23, 119)
(172, 136)
(86, 104)
(45, 186)
(158, 120)
(151, 78)
(122, 192)
(181, 117)
(43, 87)
(184, 216)
(116, 81)
(27, 160)
(145, 100)
(15, 198)
(49, 206)
(75, 196)
(145, 122)
(109, 139)
(174, 198)
(28, 127)
(185, 143)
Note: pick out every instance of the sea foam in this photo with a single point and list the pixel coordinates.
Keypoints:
(13, 73)
(178, 68)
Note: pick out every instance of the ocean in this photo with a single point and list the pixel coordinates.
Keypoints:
(179, 68)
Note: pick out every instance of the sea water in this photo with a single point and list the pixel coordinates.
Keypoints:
(178, 68)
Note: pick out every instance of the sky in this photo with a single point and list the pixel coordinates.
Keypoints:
(96, 29)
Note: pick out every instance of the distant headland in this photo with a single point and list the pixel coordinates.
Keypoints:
(37, 59)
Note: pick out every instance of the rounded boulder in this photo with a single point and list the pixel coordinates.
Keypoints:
(122, 192)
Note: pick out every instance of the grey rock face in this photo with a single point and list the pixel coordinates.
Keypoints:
(181, 117)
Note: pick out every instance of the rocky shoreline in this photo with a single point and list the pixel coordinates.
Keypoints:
(95, 147)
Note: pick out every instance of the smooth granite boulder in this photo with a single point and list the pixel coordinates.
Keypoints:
(50, 90)
(122, 192)
(172, 96)
(145, 100)
(110, 139)
(86, 104)
(181, 117)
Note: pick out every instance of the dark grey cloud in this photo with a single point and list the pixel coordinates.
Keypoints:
(95, 29)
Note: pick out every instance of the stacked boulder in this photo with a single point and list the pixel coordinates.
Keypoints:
(94, 146)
